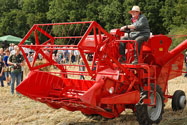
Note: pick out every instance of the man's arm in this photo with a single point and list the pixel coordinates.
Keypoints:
(127, 26)
(10, 60)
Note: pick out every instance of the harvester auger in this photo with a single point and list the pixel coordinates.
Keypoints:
(110, 87)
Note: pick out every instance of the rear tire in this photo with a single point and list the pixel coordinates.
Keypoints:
(178, 100)
(148, 115)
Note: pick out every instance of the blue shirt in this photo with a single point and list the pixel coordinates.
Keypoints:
(5, 59)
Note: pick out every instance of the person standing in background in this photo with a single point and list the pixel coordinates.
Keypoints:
(7, 68)
(13, 51)
(11, 47)
(81, 68)
(67, 55)
(16, 61)
(1, 54)
(26, 50)
(1, 71)
(185, 60)
(77, 55)
(30, 57)
(2, 66)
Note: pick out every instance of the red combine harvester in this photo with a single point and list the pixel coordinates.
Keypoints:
(110, 87)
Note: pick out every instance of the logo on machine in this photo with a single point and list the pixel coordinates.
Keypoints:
(161, 49)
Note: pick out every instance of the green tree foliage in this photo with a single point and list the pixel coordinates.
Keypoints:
(174, 13)
(151, 10)
(18, 16)
(7, 11)
(111, 12)
(175, 19)
(8, 5)
(36, 11)
(181, 10)
(14, 23)
(92, 11)
(167, 12)
(178, 35)
(67, 10)
(179, 25)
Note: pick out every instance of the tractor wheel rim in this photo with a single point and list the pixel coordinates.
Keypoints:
(154, 112)
(182, 101)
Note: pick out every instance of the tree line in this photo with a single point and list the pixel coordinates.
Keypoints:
(165, 16)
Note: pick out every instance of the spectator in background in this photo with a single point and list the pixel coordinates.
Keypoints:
(1, 54)
(26, 50)
(30, 56)
(60, 51)
(1, 71)
(63, 60)
(66, 55)
(31, 50)
(77, 54)
(58, 58)
(46, 52)
(53, 57)
(16, 61)
(55, 51)
(90, 57)
(6, 66)
(72, 56)
(185, 60)
(81, 68)
(11, 47)
(13, 51)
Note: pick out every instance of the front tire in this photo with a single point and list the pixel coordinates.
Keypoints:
(148, 115)
(178, 100)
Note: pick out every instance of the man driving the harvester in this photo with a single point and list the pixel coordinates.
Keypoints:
(140, 32)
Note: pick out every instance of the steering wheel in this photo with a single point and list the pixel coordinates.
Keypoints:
(126, 30)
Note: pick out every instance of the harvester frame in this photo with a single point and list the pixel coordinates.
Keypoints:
(113, 86)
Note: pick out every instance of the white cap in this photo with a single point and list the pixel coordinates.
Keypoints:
(135, 8)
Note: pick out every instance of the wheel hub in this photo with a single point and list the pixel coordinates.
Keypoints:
(182, 101)
(155, 111)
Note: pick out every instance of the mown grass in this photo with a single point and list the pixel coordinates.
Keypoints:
(24, 111)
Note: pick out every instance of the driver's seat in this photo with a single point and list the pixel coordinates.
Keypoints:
(145, 50)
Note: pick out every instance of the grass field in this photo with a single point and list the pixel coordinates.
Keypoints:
(23, 111)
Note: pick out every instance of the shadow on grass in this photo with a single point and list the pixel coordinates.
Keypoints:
(169, 118)
(174, 118)
(123, 119)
